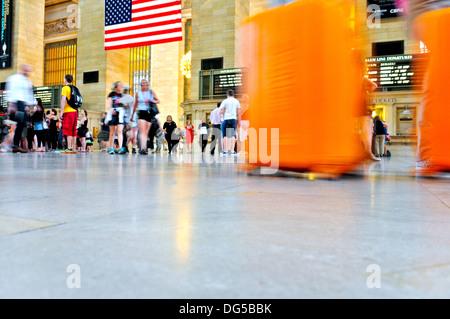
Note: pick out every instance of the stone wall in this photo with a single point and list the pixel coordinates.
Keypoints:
(28, 39)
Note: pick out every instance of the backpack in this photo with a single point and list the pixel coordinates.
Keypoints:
(76, 100)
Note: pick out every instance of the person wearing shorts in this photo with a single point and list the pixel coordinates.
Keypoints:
(145, 115)
(116, 117)
(69, 116)
(230, 109)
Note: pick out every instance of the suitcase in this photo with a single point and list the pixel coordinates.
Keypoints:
(303, 80)
(433, 119)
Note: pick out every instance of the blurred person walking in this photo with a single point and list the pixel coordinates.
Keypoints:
(380, 132)
(52, 137)
(216, 134)
(38, 119)
(145, 104)
(103, 136)
(203, 129)
(82, 130)
(168, 128)
(131, 120)
(19, 95)
(189, 136)
(116, 117)
(231, 111)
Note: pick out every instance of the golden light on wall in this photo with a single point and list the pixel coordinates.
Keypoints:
(186, 65)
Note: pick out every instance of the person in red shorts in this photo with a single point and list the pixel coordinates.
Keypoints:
(69, 116)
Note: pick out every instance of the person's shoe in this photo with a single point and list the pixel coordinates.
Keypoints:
(234, 154)
(133, 151)
(143, 152)
(19, 150)
(112, 151)
(70, 151)
(122, 151)
(224, 154)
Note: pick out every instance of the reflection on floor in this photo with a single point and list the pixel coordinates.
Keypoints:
(150, 227)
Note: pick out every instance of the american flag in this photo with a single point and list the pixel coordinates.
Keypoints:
(134, 23)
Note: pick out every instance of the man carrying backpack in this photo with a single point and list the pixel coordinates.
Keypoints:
(69, 115)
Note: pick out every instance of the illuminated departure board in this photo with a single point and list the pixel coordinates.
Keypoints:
(50, 95)
(391, 71)
(227, 79)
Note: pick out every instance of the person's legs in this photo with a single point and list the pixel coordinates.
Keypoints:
(60, 139)
(204, 142)
(212, 146)
(169, 144)
(378, 145)
(18, 134)
(112, 132)
(381, 144)
(39, 140)
(83, 144)
(135, 137)
(143, 134)
(70, 143)
(120, 138)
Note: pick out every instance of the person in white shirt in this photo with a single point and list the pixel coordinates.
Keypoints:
(20, 97)
(203, 129)
(216, 135)
(231, 111)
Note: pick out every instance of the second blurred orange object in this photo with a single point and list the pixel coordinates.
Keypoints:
(304, 79)
(434, 113)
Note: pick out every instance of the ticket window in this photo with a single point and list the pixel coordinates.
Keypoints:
(379, 111)
(406, 121)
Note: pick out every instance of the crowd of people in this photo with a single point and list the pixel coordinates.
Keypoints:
(33, 129)
(130, 123)
(133, 123)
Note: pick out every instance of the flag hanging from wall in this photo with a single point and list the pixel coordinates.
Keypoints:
(135, 23)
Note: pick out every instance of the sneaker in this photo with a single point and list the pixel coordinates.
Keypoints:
(224, 154)
(133, 151)
(122, 151)
(234, 154)
(112, 151)
(143, 152)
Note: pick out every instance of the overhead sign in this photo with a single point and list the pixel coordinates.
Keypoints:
(50, 95)
(227, 79)
(391, 71)
(6, 34)
(386, 8)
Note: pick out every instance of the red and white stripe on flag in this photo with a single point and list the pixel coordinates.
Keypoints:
(152, 22)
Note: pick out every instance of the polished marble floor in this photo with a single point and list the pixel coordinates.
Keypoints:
(102, 226)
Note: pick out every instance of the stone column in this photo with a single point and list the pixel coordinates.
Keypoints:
(27, 39)
(165, 78)
(91, 56)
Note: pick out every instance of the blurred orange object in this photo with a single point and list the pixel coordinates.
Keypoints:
(434, 112)
(305, 79)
